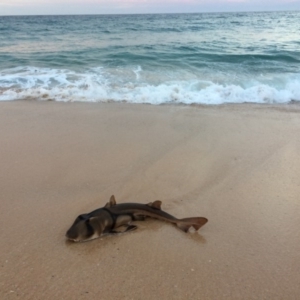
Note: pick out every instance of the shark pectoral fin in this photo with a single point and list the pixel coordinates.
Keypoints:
(128, 228)
(115, 232)
(123, 220)
(112, 202)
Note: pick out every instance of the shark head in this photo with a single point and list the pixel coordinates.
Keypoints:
(84, 228)
(91, 226)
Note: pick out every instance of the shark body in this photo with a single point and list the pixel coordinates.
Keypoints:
(113, 217)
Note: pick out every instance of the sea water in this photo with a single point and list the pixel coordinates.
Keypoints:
(205, 58)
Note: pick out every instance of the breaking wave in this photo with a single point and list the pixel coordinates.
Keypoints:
(137, 86)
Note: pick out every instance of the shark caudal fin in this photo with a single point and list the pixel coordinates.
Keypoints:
(187, 223)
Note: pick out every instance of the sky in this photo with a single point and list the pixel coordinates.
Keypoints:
(49, 7)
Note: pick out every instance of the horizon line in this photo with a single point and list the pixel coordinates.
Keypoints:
(154, 13)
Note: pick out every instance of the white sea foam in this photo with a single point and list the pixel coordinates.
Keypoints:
(135, 86)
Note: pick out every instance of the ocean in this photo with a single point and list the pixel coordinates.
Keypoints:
(203, 58)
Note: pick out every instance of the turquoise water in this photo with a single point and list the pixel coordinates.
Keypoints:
(172, 58)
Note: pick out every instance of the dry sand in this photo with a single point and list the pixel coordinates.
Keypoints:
(239, 166)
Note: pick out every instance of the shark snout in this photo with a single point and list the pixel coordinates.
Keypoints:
(74, 240)
(71, 235)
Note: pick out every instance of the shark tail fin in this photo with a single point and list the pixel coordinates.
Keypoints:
(187, 223)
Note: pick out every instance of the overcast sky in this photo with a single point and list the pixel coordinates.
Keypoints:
(34, 7)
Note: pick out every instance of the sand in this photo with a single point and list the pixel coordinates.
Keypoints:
(237, 165)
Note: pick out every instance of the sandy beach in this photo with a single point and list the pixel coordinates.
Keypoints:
(237, 165)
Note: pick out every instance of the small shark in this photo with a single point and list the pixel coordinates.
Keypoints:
(113, 216)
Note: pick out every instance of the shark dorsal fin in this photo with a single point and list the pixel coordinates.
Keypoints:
(156, 204)
(112, 202)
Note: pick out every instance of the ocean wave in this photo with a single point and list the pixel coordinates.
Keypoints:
(100, 85)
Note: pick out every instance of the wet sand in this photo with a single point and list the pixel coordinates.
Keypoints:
(239, 166)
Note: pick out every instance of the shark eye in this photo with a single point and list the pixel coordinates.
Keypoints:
(80, 218)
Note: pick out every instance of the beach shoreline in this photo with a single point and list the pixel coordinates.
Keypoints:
(237, 165)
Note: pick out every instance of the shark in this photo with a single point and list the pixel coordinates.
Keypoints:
(117, 218)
